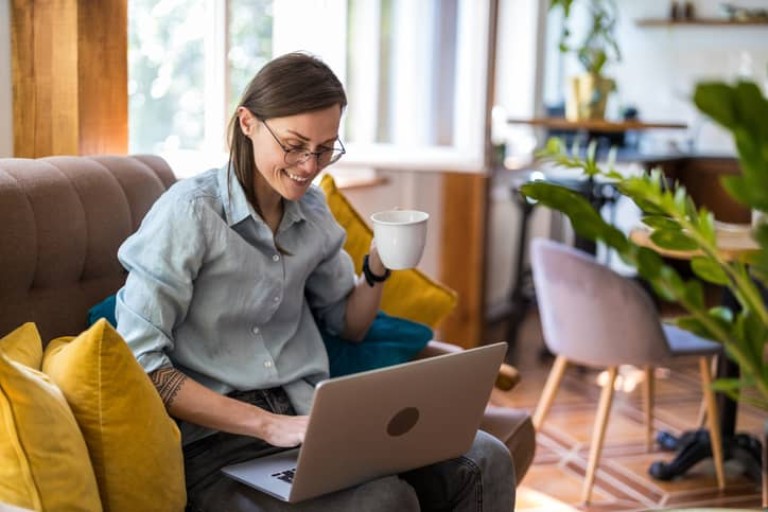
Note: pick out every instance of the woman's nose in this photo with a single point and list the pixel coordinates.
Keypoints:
(310, 164)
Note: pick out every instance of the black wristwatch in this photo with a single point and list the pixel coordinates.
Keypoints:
(372, 278)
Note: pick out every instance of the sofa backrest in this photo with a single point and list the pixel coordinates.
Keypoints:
(62, 220)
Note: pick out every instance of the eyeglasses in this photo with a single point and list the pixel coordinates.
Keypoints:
(299, 155)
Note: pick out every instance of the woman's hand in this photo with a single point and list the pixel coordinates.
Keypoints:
(193, 402)
(283, 431)
(374, 261)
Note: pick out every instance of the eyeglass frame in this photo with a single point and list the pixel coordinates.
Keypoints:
(305, 154)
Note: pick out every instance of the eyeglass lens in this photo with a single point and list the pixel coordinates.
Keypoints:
(325, 157)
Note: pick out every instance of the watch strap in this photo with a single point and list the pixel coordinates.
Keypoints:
(372, 278)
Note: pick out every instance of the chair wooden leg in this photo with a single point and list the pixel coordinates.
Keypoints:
(648, 391)
(701, 420)
(598, 433)
(549, 391)
(715, 437)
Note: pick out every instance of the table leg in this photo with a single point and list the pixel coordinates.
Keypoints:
(694, 446)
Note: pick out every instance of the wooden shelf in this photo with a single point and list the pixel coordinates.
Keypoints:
(711, 22)
(596, 125)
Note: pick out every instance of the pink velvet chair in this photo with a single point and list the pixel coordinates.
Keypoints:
(595, 317)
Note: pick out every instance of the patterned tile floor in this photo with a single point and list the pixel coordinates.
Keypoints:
(554, 481)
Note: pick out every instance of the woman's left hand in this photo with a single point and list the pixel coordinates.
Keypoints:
(374, 261)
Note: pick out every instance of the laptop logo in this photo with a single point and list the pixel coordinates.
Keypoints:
(403, 421)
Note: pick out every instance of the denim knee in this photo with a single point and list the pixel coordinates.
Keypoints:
(497, 472)
(385, 494)
(481, 480)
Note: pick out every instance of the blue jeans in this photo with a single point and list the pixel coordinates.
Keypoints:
(481, 480)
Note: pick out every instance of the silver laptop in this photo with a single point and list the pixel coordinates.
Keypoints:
(381, 422)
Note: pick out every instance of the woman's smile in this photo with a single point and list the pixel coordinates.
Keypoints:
(296, 177)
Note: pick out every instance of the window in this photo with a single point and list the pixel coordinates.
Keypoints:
(414, 72)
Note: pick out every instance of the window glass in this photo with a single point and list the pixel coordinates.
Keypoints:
(250, 43)
(166, 74)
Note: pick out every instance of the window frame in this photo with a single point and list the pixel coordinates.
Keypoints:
(466, 154)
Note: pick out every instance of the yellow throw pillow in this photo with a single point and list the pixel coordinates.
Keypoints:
(44, 463)
(24, 346)
(135, 447)
(409, 293)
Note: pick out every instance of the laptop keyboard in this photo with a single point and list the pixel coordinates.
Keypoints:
(285, 476)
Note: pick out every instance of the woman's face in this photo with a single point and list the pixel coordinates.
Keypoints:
(312, 131)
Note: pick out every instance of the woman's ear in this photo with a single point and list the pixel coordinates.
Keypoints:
(246, 119)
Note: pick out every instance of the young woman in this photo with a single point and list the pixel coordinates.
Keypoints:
(230, 275)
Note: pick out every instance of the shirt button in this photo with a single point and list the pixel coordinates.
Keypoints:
(276, 257)
(267, 364)
(255, 330)
(276, 299)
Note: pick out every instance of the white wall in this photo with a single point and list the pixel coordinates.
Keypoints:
(661, 66)
(6, 105)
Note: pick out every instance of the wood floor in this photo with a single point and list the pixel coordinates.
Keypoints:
(555, 479)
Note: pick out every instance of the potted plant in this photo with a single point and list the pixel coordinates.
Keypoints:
(588, 92)
(679, 225)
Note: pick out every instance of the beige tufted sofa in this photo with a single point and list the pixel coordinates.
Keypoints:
(62, 220)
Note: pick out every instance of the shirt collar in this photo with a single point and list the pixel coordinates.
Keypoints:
(292, 213)
(237, 207)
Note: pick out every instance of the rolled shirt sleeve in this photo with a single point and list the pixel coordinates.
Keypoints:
(162, 260)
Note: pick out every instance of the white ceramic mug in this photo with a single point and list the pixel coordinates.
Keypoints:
(400, 237)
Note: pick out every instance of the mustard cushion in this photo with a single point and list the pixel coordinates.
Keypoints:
(408, 293)
(44, 462)
(24, 346)
(135, 447)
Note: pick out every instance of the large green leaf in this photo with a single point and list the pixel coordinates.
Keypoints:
(709, 270)
(694, 294)
(752, 334)
(727, 385)
(586, 221)
(716, 100)
(743, 110)
(694, 325)
(648, 263)
(674, 240)
(661, 222)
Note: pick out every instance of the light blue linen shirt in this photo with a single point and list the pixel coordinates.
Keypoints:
(209, 293)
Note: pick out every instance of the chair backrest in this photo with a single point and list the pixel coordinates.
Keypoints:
(590, 314)
(62, 220)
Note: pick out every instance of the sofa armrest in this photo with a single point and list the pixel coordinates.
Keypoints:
(507, 378)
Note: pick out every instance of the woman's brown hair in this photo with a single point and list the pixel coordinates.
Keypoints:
(292, 84)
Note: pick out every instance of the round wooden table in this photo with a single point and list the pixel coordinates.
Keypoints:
(734, 241)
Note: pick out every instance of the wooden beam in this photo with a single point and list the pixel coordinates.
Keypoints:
(465, 224)
(70, 77)
(462, 264)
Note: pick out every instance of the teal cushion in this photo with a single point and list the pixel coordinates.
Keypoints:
(389, 341)
(104, 309)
